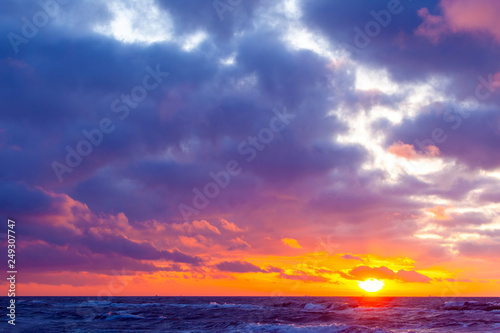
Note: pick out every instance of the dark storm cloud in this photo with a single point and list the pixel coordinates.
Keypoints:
(213, 124)
(16, 199)
(40, 258)
(135, 250)
(220, 18)
(472, 140)
(396, 47)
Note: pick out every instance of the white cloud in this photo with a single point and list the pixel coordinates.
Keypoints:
(137, 21)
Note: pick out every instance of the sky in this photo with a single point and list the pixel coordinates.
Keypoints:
(237, 147)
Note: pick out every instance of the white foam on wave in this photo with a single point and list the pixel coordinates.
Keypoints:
(95, 303)
(232, 305)
(135, 304)
(314, 307)
(35, 301)
(332, 307)
(121, 315)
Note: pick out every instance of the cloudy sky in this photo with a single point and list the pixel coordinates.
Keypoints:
(246, 147)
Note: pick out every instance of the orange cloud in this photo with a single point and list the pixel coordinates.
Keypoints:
(439, 213)
(408, 151)
(291, 242)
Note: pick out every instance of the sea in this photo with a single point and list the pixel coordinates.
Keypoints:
(253, 314)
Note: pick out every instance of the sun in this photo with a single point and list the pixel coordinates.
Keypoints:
(371, 285)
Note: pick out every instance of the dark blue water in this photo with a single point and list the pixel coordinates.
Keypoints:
(254, 314)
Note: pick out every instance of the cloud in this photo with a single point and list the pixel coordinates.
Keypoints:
(238, 244)
(473, 16)
(439, 213)
(67, 229)
(408, 151)
(271, 269)
(222, 21)
(432, 27)
(291, 242)
(230, 226)
(407, 56)
(479, 249)
(351, 257)
(304, 277)
(471, 140)
(459, 280)
(361, 273)
(136, 250)
(195, 227)
(120, 206)
(238, 267)
(412, 276)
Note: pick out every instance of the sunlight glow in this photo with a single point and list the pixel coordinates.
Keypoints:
(371, 285)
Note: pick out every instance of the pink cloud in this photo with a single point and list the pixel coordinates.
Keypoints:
(408, 152)
(460, 16)
(195, 227)
(432, 27)
(230, 226)
(471, 15)
(412, 276)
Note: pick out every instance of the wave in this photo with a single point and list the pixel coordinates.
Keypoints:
(136, 305)
(471, 305)
(329, 307)
(331, 328)
(314, 307)
(95, 303)
(232, 305)
(118, 315)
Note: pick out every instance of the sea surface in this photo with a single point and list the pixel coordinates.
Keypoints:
(254, 314)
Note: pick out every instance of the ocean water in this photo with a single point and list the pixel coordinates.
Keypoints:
(254, 314)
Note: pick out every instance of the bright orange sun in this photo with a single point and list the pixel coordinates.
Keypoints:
(371, 285)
